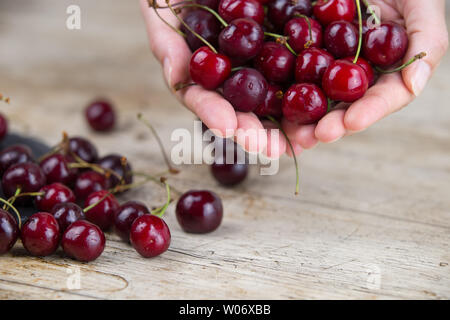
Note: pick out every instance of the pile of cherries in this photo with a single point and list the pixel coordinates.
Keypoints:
(292, 59)
(73, 191)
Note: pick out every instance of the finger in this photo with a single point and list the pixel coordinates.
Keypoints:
(250, 133)
(297, 150)
(389, 95)
(427, 32)
(331, 127)
(300, 135)
(276, 142)
(214, 111)
(169, 47)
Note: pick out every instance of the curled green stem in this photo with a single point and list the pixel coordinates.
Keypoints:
(403, 66)
(154, 5)
(213, 12)
(6, 203)
(310, 42)
(161, 210)
(96, 203)
(358, 52)
(282, 40)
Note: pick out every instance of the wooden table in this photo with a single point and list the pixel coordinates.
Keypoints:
(372, 220)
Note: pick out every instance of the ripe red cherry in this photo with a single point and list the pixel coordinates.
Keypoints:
(9, 231)
(341, 39)
(3, 126)
(56, 169)
(40, 234)
(230, 10)
(54, 194)
(84, 149)
(209, 69)
(100, 115)
(297, 30)
(271, 106)
(199, 211)
(150, 235)
(242, 40)
(14, 154)
(311, 65)
(229, 174)
(89, 182)
(114, 162)
(26, 176)
(363, 63)
(345, 81)
(66, 214)
(385, 45)
(275, 62)
(245, 90)
(304, 104)
(125, 216)
(280, 11)
(102, 214)
(328, 11)
(205, 24)
(83, 241)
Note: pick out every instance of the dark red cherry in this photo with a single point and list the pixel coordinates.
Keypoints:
(89, 182)
(125, 216)
(328, 11)
(14, 154)
(83, 241)
(56, 169)
(385, 45)
(345, 81)
(242, 40)
(3, 126)
(280, 11)
(26, 176)
(311, 65)
(83, 149)
(213, 4)
(209, 69)
(363, 63)
(199, 211)
(102, 214)
(230, 10)
(100, 115)
(275, 62)
(271, 106)
(229, 174)
(40, 234)
(9, 231)
(341, 39)
(150, 235)
(203, 23)
(298, 32)
(245, 90)
(54, 194)
(66, 214)
(122, 169)
(304, 104)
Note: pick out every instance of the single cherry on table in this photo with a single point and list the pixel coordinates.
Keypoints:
(103, 212)
(125, 216)
(83, 241)
(40, 234)
(100, 115)
(67, 213)
(150, 235)
(9, 231)
(57, 169)
(89, 182)
(54, 194)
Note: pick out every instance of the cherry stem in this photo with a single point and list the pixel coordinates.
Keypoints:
(25, 194)
(124, 187)
(94, 167)
(403, 66)
(190, 29)
(155, 179)
(160, 211)
(358, 52)
(297, 182)
(13, 198)
(161, 146)
(96, 203)
(282, 40)
(5, 99)
(6, 203)
(308, 43)
(213, 12)
(329, 104)
(237, 68)
(374, 15)
(154, 5)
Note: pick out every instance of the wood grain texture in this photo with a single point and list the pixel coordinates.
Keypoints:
(372, 220)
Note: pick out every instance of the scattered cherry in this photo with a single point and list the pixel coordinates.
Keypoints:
(83, 241)
(304, 104)
(56, 169)
(199, 211)
(297, 30)
(89, 182)
(9, 231)
(271, 106)
(209, 69)
(341, 39)
(328, 11)
(150, 235)
(125, 216)
(275, 62)
(14, 154)
(54, 194)
(281, 11)
(229, 174)
(100, 115)
(83, 149)
(66, 214)
(203, 23)
(115, 162)
(230, 10)
(101, 214)
(311, 65)
(40, 234)
(3, 126)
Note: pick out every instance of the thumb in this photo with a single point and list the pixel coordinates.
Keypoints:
(427, 32)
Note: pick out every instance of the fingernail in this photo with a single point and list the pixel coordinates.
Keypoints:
(421, 76)
(167, 67)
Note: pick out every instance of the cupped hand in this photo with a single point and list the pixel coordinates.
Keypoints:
(427, 32)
